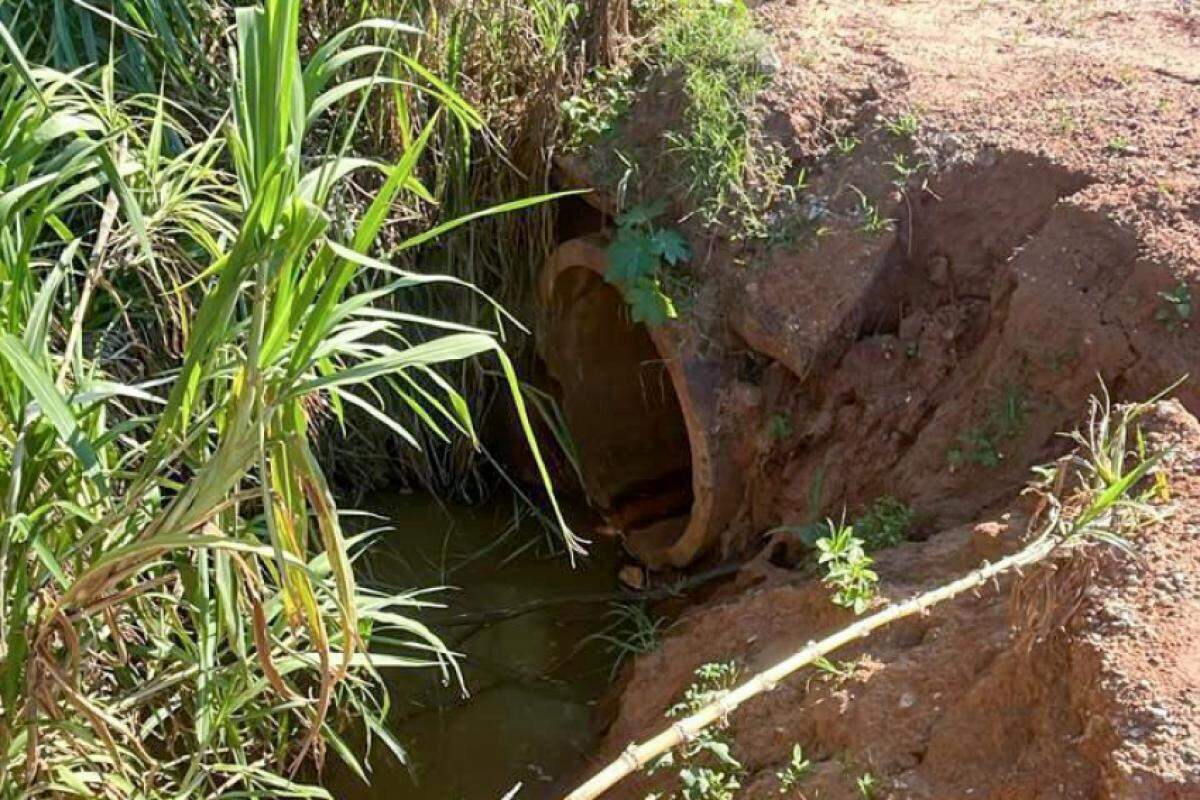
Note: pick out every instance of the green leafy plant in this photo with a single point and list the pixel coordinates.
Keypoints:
(884, 523)
(705, 766)
(779, 426)
(904, 126)
(847, 568)
(1176, 308)
(156, 39)
(603, 99)
(633, 632)
(982, 444)
(179, 611)
(795, 771)
(636, 258)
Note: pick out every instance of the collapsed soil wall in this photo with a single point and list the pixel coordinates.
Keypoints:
(941, 297)
(936, 306)
(934, 362)
(1074, 681)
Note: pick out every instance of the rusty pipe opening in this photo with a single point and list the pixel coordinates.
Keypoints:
(640, 406)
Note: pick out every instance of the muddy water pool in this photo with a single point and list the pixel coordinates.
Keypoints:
(533, 678)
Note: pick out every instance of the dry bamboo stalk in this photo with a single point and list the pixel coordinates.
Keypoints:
(637, 756)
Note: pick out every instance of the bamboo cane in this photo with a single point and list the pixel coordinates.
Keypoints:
(637, 756)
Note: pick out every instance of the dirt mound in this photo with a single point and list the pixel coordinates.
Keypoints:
(1074, 681)
(1000, 206)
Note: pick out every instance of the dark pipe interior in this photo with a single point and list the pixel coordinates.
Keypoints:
(619, 404)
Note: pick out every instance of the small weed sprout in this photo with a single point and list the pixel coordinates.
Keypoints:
(867, 786)
(873, 221)
(835, 670)
(635, 262)
(1065, 122)
(1176, 308)
(847, 568)
(905, 168)
(884, 523)
(632, 632)
(707, 769)
(779, 427)
(1119, 145)
(981, 445)
(795, 771)
(844, 145)
(904, 126)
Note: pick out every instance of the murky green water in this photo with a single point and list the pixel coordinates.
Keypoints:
(533, 679)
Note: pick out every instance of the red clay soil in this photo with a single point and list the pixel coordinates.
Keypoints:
(1077, 680)
(1056, 211)
(1051, 237)
(1061, 203)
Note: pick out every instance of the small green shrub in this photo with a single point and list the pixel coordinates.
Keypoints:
(1176, 308)
(884, 523)
(981, 444)
(603, 99)
(635, 263)
(847, 568)
(975, 446)
(795, 771)
(706, 766)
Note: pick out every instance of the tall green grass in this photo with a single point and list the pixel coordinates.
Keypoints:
(697, 70)
(511, 60)
(149, 41)
(178, 610)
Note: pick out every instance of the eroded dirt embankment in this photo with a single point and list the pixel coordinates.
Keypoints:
(1044, 230)
(1075, 681)
(1048, 240)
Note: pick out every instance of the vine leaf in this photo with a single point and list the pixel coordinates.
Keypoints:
(642, 214)
(631, 257)
(671, 245)
(647, 304)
